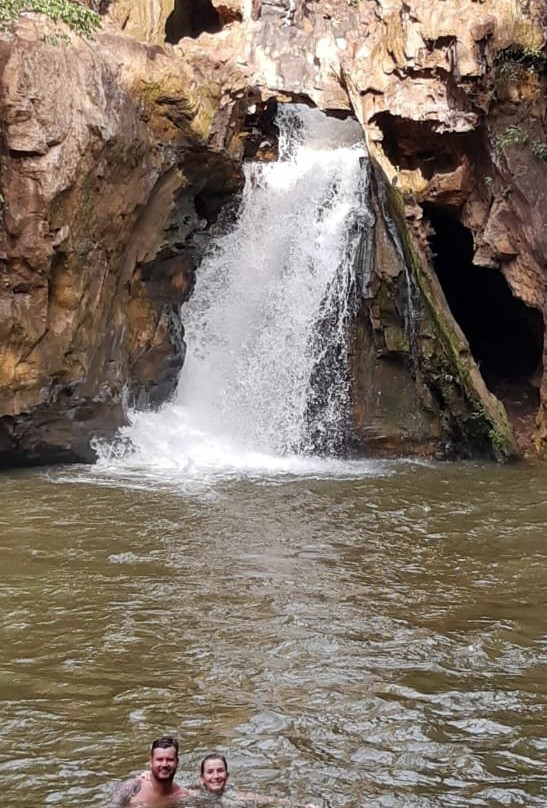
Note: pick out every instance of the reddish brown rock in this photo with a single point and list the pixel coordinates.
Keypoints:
(89, 188)
(450, 99)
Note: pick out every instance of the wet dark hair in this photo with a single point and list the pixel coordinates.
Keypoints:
(164, 743)
(212, 756)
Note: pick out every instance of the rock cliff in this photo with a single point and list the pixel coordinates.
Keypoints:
(119, 152)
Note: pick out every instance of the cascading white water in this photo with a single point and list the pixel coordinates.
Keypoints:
(269, 311)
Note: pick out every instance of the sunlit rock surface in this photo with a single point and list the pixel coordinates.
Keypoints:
(96, 188)
(118, 154)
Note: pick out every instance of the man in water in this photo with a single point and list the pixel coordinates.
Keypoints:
(213, 780)
(156, 786)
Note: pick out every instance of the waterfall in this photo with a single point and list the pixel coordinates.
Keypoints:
(266, 368)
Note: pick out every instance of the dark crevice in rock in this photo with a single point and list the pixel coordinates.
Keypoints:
(260, 132)
(211, 195)
(505, 336)
(412, 145)
(190, 18)
(441, 42)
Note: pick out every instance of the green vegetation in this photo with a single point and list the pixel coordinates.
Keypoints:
(78, 17)
(512, 65)
(539, 150)
(512, 135)
(515, 135)
(55, 39)
(511, 62)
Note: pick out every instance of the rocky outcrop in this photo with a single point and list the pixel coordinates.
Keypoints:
(105, 193)
(451, 98)
(96, 190)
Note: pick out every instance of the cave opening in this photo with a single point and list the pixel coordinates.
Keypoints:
(415, 145)
(504, 334)
(190, 18)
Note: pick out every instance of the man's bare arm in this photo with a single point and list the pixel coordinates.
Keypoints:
(125, 793)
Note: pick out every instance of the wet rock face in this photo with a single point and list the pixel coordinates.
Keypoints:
(62, 302)
(89, 284)
(116, 154)
(451, 97)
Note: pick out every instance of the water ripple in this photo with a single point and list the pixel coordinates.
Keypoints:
(365, 642)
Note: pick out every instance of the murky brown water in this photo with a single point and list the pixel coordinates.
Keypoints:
(368, 642)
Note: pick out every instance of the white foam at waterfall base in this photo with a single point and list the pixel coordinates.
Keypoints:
(243, 399)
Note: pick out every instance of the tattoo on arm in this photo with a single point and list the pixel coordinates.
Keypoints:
(126, 791)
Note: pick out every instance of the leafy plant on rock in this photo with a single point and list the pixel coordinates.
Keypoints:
(539, 150)
(512, 135)
(512, 65)
(77, 16)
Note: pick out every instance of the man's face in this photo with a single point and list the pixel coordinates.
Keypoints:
(163, 763)
(214, 776)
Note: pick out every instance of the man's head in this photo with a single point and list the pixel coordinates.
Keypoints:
(214, 773)
(164, 758)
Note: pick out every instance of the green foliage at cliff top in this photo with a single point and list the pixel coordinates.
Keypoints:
(78, 17)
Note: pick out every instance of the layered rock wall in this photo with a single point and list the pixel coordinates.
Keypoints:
(117, 151)
(90, 173)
